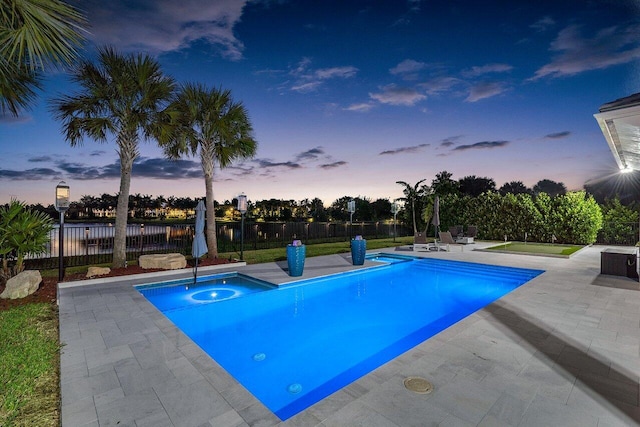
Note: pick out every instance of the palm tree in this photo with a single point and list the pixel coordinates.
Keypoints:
(34, 34)
(413, 196)
(212, 124)
(121, 96)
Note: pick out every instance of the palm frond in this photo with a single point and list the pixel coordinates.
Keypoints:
(36, 33)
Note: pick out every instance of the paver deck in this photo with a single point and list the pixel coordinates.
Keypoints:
(561, 350)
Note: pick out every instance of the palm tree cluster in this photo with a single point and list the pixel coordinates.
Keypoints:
(129, 98)
(121, 97)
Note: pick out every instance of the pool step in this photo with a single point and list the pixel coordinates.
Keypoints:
(477, 269)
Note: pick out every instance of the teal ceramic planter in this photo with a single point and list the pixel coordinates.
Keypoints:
(295, 259)
(358, 251)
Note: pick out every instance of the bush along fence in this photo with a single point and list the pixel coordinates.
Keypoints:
(88, 244)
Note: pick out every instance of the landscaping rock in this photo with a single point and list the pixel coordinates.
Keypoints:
(98, 271)
(22, 285)
(163, 261)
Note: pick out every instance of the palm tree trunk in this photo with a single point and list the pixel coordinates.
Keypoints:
(212, 241)
(122, 210)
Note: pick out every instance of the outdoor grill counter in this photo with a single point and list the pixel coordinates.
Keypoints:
(619, 262)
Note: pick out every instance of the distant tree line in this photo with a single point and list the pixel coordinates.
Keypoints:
(546, 212)
(146, 207)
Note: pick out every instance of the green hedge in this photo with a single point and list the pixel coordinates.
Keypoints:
(573, 217)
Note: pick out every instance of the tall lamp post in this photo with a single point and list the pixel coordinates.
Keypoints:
(351, 207)
(62, 204)
(394, 209)
(242, 207)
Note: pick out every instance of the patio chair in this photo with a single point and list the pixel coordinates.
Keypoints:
(446, 240)
(420, 242)
(472, 231)
(456, 231)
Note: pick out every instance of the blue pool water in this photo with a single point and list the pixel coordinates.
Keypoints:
(293, 346)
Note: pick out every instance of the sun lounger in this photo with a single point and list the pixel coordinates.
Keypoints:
(420, 242)
(446, 240)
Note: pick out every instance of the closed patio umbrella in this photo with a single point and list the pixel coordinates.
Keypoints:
(436, 215)
(199, 246)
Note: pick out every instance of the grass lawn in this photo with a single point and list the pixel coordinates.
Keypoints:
(29, 366)
(538, 248)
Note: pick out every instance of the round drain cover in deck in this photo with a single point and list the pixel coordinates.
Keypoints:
(418, 385)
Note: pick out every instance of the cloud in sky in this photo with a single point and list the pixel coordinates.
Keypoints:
(558, 135)
(543, 24)
(36, 174)
(487, 69)
(575, 53)
(481, 145)
(361, 108)
(312, 154)
(440, 84)
(408, 66)
(162, 168)
(270, 164)
(394, 95)
(308, 79)
(166, 25)
(39, 159)
(485, 90)
(333, 165)
(402, 150)
(8, 119)
(158, 168)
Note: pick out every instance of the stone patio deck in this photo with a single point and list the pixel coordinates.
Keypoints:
(561, 350)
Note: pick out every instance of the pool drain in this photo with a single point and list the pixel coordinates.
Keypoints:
(418, 385)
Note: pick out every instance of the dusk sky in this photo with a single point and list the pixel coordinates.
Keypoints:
(348, 97)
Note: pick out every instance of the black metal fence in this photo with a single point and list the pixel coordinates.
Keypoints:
(87, 244)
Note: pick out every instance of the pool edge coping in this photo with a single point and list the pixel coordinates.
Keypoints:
(151, 275)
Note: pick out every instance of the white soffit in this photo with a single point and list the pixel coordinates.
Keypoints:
(620, 124)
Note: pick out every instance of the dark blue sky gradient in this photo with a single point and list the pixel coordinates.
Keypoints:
(347, 97)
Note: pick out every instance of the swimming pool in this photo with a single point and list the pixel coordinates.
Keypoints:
(293, 346)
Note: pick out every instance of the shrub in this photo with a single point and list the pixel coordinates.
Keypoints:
(22, 232)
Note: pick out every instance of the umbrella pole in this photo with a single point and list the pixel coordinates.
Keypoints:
(195, 272)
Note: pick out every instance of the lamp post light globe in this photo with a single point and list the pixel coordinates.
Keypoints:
(62, 197)
(62, 205)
